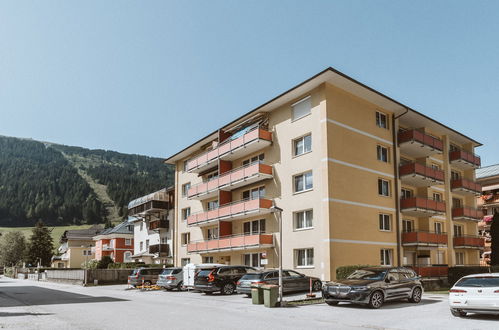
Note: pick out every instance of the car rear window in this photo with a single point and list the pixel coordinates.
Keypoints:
(170, 271)
(205, 272)
(252, 276)
(488, 281)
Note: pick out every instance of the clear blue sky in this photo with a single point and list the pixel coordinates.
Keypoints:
(151, 77)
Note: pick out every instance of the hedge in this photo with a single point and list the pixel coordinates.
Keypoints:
(343, 271)
(455, 273)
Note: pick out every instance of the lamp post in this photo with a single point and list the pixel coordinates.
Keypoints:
(278, 212)
(85, 274)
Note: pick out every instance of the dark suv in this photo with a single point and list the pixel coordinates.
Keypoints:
(221, 279)
(373, 286)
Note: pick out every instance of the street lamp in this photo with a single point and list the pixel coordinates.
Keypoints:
(278, 210)
(85, 274)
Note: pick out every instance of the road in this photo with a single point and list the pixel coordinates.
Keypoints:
(41, 305)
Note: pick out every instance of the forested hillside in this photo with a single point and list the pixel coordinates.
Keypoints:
(57, 183)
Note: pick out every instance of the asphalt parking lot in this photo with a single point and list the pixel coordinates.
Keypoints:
(41, 305)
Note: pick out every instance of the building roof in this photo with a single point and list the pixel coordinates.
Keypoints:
(122, 228)
(487, 171)
(340, 80)
(81, 234)
(160, 195)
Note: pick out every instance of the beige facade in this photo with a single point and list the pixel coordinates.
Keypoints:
(332, 152)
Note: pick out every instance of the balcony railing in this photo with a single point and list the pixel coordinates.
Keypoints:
(231, 149)
(107, 247)
(230, 180)
(159, 224)
(239, 209)
(468, 241)
(159, 248)
(420, 175)
(424, 238)
(419, 206)
(464, 159)
(419, 144)
(431, 271)
(150, 206)
(467, 213)
(462, 186)
(232, 243)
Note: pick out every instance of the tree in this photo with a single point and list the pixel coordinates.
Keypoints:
(494, 235)
(12, 248)
(104, 262)
(41, 246)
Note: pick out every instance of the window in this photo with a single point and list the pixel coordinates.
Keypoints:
(440, 257)
(303, 182)
(405, 161)
(253, 259)
(302, 108)
(455, 175)
(304, 219)
(185, 189)
(185, 238)
(456, 202)
(435, 167)
(254, 227)
(185, 261)
(185, 165)
(304, 258)
(406, 193)
(458, 230)
(460, 258)
(384, 222)
(87, 252)
(453, 147)
(437, 197)
(127, 256)
(141, 246)
(128, 241)
(163, 240)
(212, 205)
(254, 193)
(147, 244)
(207, 260)
(212, 233)
(438, 227)
(186, 213)
(383, 187)
(255, 159)
(302, 145)
(386, 257)
(407, 226)
(211, 176)
(382, 153)
(381, 120)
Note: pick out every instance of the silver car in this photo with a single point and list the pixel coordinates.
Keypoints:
(171, 278)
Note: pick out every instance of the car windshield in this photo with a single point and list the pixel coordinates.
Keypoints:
(252, 276)
(479, 282)
(367, 274)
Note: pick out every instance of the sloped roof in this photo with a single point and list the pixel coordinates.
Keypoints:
(159, 195)
(487, 171)
(81, 234)
(122, 228)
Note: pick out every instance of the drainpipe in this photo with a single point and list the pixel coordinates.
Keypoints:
(397, 194)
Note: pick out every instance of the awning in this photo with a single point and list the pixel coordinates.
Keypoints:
(492, 187)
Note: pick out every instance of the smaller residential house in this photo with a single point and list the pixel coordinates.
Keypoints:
(116, 242)
(76, 247)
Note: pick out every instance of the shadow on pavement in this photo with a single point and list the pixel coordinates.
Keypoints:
(2, 314)
(482, 317)
(32, 295)
(390, 304)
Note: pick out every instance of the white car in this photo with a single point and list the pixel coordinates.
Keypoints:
(477, 293)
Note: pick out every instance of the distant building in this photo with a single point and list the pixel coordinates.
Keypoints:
(76, 247)
(116, 242)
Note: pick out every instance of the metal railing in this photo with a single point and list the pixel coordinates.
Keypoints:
(231, 242)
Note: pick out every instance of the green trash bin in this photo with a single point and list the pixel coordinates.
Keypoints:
(270, 294)
(257, 295)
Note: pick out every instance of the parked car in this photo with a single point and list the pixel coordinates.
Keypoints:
(477, 293)
(146, 276)
(171, 278)
(292, 281)
(220, 279)
(190, 271)
(372, 286)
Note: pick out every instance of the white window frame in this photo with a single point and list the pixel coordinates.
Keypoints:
(260, 191)
(384, 220)
(128, 241)
(438, 227)
(259, 224)
(460, 258)
(458, 230)
(254, 160)
(301, 102)
(303, 175)
(404, 225)
(127, 256)
(185, 238)
(250, 256)
(403, 192)
(185, 189)
(186, 212)
(386, 257)
(382, 181)
(212, 233)
(307, 219)
(307, 263)
(379, 123)
(296, 153)
(379, 153)
(208, 260)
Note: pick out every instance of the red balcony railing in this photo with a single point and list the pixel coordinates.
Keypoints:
(232, 242)
(467, 213)
(422, 170)
(420, 137)
(431, 271)
(469, 241)
(230, 178)
(423, 204)
(463, 184)
(466, 157)
(424, 238)
(237, 209)
(227, 147)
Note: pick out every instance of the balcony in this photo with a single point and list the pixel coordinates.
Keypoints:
(431, 271)
(419, 175)
(148, 207)
(159, 224)
(239, 242)
(418, 144)
(464, 160)
(231, 180)
(424, 238)
(163, 249)
(107, 247)
(231, 211)
(467, 213)
(469, 242)
(231, 149)
(466, 187)
(421, 207)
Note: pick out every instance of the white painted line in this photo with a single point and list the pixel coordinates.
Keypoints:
(358, 204)
(357, 167)
(337, 240)
(356, 130)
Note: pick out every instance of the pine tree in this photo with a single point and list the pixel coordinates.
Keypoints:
(494, 235)
(41, 246)
(12, 248)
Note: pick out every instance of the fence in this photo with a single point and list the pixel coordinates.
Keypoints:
(77, 276)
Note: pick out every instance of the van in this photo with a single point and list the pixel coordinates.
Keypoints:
(144, 276)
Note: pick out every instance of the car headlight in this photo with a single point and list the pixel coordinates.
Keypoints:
(360, 288)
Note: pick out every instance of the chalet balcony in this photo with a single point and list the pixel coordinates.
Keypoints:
(466, 187)
(424, 238)
(421, 207)
(237, 242)
(419, 175)
(232, 148)
(469, 242)
(153, 206)
(431, 271)
(237, 210)
(162, 249)
(231, 180)
(159, 224)
(467, 213)
(464, 160)
(418, 144)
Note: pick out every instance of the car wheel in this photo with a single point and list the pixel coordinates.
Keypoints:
(248, 295)
(147, 283)
(208, 293)
(457, 313)
(332, 303)
(376, 300)
(179, 286)
(317, 286)
(228, 289)
(416, 295)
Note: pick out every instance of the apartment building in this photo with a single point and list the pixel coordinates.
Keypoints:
(152, 219)
(360, 177)
(115, 242)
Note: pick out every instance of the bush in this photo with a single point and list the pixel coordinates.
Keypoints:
(455, 273)
(343, 271)
(90, 264)
(104, 262)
